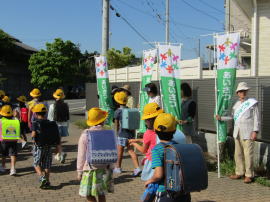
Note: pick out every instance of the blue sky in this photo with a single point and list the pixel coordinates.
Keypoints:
(36, 22)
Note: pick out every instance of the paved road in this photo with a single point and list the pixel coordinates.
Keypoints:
(24, 187)
(75, 106)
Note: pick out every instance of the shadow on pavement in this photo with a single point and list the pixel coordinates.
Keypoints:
(61, 185)
(25, 171)
(70, 148)
(123, 179)
(60, 168)
(206, 201)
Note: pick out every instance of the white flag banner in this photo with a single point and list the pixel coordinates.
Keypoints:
(169, 60)
(101, 67)
(149, 58)
(227, 50)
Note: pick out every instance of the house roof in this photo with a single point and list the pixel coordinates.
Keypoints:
(22, 45)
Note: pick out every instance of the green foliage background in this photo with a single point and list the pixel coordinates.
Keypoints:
(58, 65)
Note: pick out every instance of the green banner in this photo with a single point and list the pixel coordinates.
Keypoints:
(225, 86)
(227, 61)
(144, 99)
(103, 88)
(149, 58)
(169, 66)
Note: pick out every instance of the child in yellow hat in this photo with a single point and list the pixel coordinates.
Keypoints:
(150, 112)
(45, 135)
(124, 135)
(165, 127)
(59, 112)
(96, 180)
(9, 147)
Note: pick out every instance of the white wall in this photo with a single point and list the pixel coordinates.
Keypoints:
(190, 69)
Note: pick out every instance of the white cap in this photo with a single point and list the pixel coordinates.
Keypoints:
(242, 86)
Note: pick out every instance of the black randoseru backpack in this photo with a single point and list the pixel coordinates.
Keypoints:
(61, 112)
(185, 168)
(48, 133)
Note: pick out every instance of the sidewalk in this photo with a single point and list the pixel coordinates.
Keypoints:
(24, 187)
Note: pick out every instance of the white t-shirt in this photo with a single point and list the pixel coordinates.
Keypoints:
(155, 99)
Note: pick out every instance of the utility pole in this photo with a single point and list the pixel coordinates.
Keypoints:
(167, 21)
(199, 47)
(227, 15)
(105, 26)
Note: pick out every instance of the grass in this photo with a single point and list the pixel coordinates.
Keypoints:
(81, 124)
(263, 181)
(227, 167)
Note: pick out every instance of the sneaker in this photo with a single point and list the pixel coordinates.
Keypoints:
(12, 172)
(137, 172)
(63, 158)
(2, 169)
(23, 144)
(117, 170)
(42, 181)
(47, 185)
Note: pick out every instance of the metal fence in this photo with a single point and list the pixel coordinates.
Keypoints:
(204, 95)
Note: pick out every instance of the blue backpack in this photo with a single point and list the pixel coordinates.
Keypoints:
(101, 147)
(185, 168)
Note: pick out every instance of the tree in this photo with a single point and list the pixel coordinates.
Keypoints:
(58, 65)
(118, 59)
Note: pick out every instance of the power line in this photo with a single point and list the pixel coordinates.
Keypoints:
(221, 11)
(131, 26)
(202, 11)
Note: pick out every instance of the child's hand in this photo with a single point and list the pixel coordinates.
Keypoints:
(132, 141)
(147, 183)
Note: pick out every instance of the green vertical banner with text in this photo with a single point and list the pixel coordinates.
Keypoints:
(169, 68)
(227, 61)
(103, 87)
(149, 58)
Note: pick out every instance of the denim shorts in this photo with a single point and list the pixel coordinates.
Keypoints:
(63, 131)
(123, 141)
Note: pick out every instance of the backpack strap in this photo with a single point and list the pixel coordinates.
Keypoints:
(169, 161)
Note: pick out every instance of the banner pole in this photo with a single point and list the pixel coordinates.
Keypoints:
(216, 95)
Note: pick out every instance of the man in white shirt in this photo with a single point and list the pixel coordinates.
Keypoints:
(246, 127)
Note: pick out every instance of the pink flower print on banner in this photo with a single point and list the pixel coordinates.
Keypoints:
(169, 69)
(163, 56)
(221, 48)
(226, 60)
(233, 46)
(169, 61)
(175, 57)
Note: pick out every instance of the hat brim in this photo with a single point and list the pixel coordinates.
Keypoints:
(245, 89)
(94, 123)
(34, 95)
(126, 90)
(152, 115)
(6, 115)
(20, 100)
(58, 97)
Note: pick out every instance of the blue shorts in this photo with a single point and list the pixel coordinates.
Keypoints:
(63, 131)
(123, 141)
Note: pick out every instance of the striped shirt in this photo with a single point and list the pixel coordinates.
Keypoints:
(158, 161)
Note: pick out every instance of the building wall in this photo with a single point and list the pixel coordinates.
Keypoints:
(263, 37)
(17, 77)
